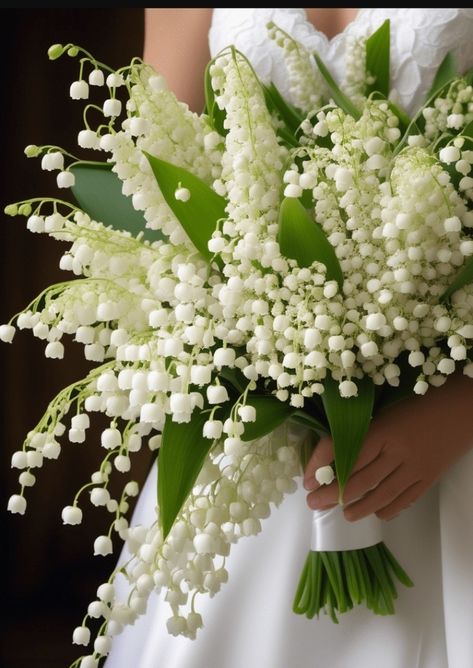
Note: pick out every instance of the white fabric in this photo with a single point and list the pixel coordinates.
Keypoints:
(332, 532)
(249, 624)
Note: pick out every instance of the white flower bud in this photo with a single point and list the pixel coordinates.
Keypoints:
(99, 496)
(114, 80)
(375, 321)
(112, 107)
(421, 387)
(52, 161)
(213, 429)
(343, 179)
(247, 413)
(96, 78)
(81, 636)
(217, 394)
(19, 460)
(102, 645)
(131, 488)
(452, 224)
(88, 139)
(324, 475)
(348, 389)
(180, 403)
(201, 375)
(106, 592)
(65, 180)
(71, 515)
(26, 479)
(446, 366)
(7, 332)
(34, 459)
(79, 90)
(76, 435)
(224, 357)
(369, 349)
(103, 546)
(17, 504)
(111, 438)
(292, 190)
(182, 194)
(122, 463)
(176, 625)
(80, 421)
(89, 662)
(54, 350)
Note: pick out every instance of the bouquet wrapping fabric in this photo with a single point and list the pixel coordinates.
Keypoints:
(252, 277)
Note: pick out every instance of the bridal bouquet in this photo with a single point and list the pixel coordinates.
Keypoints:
(251, 277)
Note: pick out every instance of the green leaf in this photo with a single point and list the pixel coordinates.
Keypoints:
(181, 456)
(340, 99)
(446, 72)
(98, 192)
(235, 377)
(349, 420)
(303, 240)
(216, 115)
(377, 59)
(270, 413)
(198, 216)
(276, 103)
(462, 278)
(468, 130)
(304, 418)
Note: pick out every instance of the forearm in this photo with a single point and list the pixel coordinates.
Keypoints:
(176, 44)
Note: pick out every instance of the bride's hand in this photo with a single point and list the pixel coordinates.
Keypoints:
(408, 448)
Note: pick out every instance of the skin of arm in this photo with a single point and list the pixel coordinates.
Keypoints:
(409, 446)
(176, 45)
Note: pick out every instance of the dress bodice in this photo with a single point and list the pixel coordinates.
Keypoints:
(420, 39)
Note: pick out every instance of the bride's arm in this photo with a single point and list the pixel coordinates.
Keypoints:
(176, 44)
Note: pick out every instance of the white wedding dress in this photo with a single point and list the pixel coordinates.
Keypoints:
(249, 623)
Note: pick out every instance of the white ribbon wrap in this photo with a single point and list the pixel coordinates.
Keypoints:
(331, 532)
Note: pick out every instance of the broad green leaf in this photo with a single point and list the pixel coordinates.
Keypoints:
(304, 418)
(446, 72)
(340, 99)
(216, 115)
(349, 420)
(468, 76)
(98, 192)
(235, 377)
(468, 130)
(270, 413)
(462, 278)
(181, 456)
(200, 214)
(303, 240)
(377, 59)
(287, 112)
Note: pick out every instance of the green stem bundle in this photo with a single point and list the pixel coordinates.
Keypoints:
(334, 582)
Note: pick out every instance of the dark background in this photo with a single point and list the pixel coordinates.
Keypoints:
(50, 573)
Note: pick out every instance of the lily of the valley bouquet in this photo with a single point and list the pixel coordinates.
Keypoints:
(288, 268)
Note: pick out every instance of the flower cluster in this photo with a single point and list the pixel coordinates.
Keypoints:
(164, 325)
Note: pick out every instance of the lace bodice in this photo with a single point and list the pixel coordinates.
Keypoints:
(420, 38)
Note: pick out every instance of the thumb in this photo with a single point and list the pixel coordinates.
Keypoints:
(322, 456)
